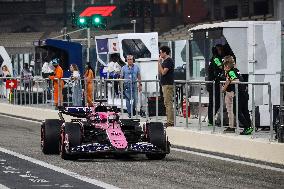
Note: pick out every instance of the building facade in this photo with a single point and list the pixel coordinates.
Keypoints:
(154, 15)
(222, 10)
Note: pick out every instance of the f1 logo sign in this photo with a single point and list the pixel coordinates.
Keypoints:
(11, 84)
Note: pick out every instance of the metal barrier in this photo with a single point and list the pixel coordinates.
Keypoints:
(253, 84)
(106, 91)
(40, 92)
(281, 100)
(237, 131)
(199, 83)
(22, 92)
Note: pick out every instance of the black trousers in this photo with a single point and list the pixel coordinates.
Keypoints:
(243, 112)
(217, 102)
(28, 86)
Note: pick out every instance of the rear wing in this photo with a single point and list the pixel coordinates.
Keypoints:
(79, 112)
(83, 112)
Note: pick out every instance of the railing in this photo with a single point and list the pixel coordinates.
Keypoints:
(281, 101)
(253, 84)
(23, 92)
(39, 92)
(199, 83)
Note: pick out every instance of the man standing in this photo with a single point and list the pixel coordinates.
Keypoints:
(131, 72)
(58, 84)
(215, 73)
(166, 67)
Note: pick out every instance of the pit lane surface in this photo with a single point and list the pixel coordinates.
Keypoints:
(178, 170)
(30, 175)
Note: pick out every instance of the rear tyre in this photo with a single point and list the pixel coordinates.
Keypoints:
(157, 136)
(50, 136)
(70, 137)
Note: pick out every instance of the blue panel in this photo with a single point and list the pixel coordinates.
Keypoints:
(102, 45)
(73, 50)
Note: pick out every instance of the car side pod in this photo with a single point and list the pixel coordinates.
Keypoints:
(50, 135)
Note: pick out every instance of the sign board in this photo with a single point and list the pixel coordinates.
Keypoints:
(113, 46)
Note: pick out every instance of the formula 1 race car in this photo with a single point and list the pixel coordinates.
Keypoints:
(99, 130)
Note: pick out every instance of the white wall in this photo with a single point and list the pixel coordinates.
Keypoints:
(237, 39)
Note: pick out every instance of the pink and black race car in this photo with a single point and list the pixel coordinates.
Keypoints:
(99, 130)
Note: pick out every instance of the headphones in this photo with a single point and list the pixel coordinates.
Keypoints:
(132, 58)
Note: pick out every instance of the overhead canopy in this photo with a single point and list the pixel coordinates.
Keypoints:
(215, 30)
(230, 24)
(68, 52)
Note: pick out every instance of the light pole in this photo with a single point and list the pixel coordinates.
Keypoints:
(134, 23)
(88, 43)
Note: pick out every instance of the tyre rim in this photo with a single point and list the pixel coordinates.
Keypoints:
(61, 143)
(64, 146)
(42, 138)
(66, 143)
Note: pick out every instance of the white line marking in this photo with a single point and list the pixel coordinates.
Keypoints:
(22, 119)
(3, 187)
(230, 160)
(59, 169)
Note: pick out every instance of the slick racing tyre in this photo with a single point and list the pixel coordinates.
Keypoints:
(50, 135)
(157, 136)
(70, 137)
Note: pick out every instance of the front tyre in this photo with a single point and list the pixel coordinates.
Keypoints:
(156, 135)
(70, 137)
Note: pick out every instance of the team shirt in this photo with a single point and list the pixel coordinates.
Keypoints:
(168, 78)
(232, 75)
(215, 70)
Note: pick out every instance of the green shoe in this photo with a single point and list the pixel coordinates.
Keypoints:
(210, 125)
(249, 131)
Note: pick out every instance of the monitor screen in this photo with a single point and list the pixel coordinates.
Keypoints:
(136, 48)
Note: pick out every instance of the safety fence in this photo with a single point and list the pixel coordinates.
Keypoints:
(252, 95)
(281, 103)
(189, 100)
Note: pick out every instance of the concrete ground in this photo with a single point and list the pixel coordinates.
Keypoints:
(181, 169)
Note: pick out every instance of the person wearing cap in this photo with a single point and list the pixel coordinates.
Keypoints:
(57, 83)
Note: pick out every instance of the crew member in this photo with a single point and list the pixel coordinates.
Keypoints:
(57, 83)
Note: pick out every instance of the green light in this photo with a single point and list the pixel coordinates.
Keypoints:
(82, 20)
(97, 20)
